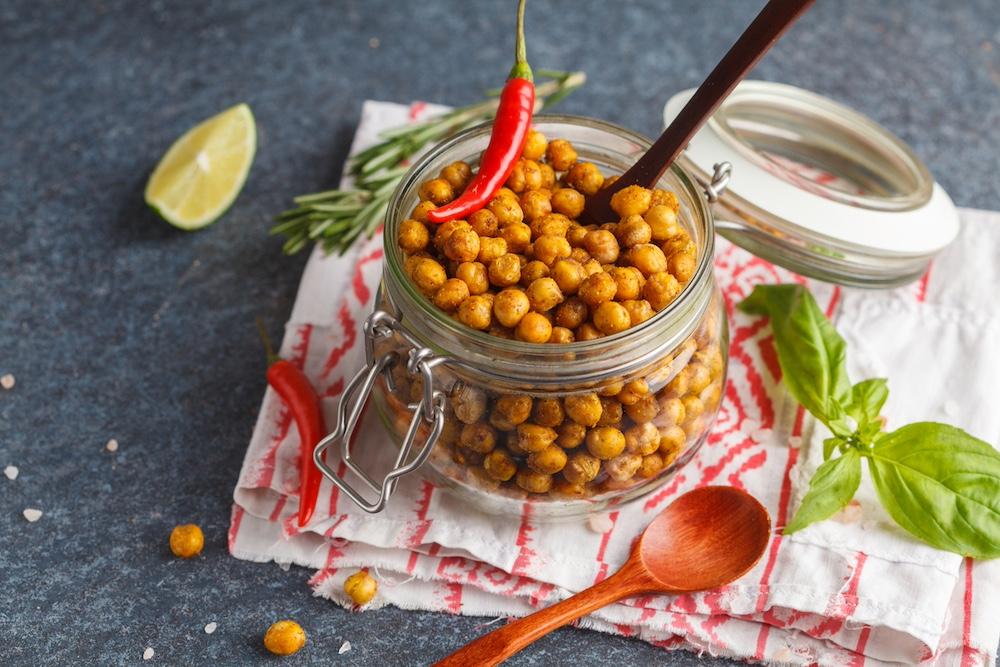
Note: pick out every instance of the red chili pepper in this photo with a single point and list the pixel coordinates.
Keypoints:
(294, 388)
(510, 129)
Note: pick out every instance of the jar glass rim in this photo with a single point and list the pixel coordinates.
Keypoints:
(683, 312)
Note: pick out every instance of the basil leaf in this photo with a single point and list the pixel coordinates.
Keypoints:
(810, 351)
(832, 486)
(867, 399)
(831, 444)
(942, 485)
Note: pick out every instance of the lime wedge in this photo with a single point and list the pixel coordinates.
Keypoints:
(203, 172)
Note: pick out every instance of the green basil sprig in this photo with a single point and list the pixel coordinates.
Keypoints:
(936, 481)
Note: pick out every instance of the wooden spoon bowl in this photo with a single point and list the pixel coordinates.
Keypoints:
(705, 539)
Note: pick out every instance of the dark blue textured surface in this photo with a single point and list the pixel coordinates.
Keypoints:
(116, 325)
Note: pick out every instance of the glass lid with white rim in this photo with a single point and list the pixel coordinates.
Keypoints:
(819, 188)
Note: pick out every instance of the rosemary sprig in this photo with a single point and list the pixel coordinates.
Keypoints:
(336, 218)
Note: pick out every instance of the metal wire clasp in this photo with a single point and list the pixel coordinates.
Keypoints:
(420, 362)
(720, 179)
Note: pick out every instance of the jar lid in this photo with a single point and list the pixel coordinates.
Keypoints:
(819, 188)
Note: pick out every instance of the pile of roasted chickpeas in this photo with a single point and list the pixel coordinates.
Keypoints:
(523, 268)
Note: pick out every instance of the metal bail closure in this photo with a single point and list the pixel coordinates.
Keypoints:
(430, 410)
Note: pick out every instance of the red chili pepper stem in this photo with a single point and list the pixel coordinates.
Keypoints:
(272, 358)
(521, 69)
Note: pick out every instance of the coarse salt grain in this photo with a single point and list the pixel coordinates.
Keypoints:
(210, 628)
(148, 654)
(344, 648)
(7, 381)
(600, 523)
(32, 514)
(112, 445)
(11, 472)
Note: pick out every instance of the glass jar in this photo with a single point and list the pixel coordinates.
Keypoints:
(570, 427)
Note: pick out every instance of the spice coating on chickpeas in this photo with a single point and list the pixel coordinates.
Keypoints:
(524, 268)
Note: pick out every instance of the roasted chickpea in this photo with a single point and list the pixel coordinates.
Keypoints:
(631, 200)
(639, 310)
(475, 312)
(571, 434)
(643, 410)
(533, 271)
(533, 482)
(469, 403)
(581, 468)
(672, 441)
(499, 465)
(561, 335)
(458, 175)
(484, 222)
(553, 224)
(517, 235)
(571, 313)
(413, 236)
(568, 275)
(680, 242)
(693, 408)
(361, 587)
(699, 377)
(605, 442)
(560, 154)
(577, 237)
(682, 265)
(544, 294)
(661, 289)
(629, 281)
(611, 389)
(187, 541)
(428, 275)
(548, 176)
(671, 411)
(611, 412)
(474, 275)
(510, 305)
(662, 221)
(286, 637)
(633, 392)
(623, 467)
(536, 204)
(678, 386)
(534, 328)
(584, 409)
(548, 412)
(525, 176)
(515, 409)
(651, 465)
(632, 231)
(489, 248)
(451, 295)
(507, 210)
(592, 266)
(611, 318)
(585, 177)
(642, 439)
(602, 246)
(478, 437)
(549, 248)
(534, 145)
(437, 191)
(609, 181)
(444, 231)
(563, 487)
(587, 331)
(534, 438)
(568, 201)
(505, 270)
(420, 211)
(550, 460)
(463, 244)
(665, 198)
(597, 289)
(648, 258)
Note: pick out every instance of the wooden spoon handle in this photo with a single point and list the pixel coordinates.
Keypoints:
(497, 646)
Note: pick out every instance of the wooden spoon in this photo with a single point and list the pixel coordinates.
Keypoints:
(706, 538)
(776, 17)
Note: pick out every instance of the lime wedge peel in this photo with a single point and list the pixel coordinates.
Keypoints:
(204, 170)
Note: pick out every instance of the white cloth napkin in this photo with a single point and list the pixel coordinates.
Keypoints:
(853, 590)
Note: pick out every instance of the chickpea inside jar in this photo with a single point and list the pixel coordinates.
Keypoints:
(585, 363)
